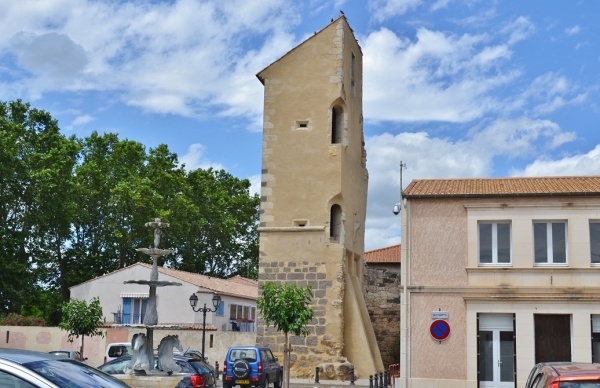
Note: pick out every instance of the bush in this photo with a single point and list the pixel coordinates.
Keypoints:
(13, 319)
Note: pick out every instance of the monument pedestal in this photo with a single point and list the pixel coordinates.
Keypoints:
(152, 381)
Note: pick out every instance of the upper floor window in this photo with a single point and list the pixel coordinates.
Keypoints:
(550, 242)
(494, 243)
(595, 242)
(221, 309)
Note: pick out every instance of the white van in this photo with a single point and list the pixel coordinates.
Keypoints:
(116, 350)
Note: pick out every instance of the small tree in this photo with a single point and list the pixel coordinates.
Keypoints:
(81, 319)
(286, 306)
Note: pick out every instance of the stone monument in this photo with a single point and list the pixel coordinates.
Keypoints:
(151, 315)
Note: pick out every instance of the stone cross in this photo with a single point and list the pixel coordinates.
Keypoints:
(158, 226)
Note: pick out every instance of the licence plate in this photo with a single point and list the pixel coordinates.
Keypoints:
(246, 382)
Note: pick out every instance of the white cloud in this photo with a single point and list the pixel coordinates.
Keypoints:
(81, 120)
(438, 77)
(386, 9)
(194, 159)
(51, 54)
(179, 57)
(573, 30)
(520, 137)
(581, 164)
(519, 29)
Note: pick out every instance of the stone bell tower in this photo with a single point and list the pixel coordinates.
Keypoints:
(313, 200)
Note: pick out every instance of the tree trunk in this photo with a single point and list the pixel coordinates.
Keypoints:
(286, 362)
(81, 350)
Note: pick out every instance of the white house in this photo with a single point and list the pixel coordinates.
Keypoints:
(124, 303)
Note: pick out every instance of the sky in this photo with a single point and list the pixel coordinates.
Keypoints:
(451, 88)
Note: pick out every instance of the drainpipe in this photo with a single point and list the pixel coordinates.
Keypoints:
(405, 303)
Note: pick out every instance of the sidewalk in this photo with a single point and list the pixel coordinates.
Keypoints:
(306, 383)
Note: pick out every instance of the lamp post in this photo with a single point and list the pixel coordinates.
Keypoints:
(216, 301)
(404, 304)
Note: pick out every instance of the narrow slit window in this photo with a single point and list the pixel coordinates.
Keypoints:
(336, 124)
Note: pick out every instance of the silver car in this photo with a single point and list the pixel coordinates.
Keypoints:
(25, 368)
(74, 354)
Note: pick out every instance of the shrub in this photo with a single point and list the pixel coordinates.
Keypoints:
(13, 319)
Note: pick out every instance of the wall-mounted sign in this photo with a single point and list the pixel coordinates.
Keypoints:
(439, 315)
(440, 330)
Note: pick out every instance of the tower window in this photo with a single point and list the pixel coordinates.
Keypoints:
(337, 115)
(302, 124)
(353, 74)
(335, 226)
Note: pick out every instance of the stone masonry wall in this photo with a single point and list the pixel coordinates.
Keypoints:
(318, 347)
(382, 296)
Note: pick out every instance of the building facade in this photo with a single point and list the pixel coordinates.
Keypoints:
(497, 275)
(125, 303)
(313, 198)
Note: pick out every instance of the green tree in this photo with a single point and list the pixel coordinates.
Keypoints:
(286, 306)
(81, 319)
(215, 232)
(36, 167)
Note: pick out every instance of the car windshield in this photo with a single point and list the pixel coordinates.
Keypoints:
(247, 354)
(579, 384)
(116, 366)
(71, 374)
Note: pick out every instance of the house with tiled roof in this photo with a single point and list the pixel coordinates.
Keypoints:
(384, 258)
(125, 303)
(498, 274)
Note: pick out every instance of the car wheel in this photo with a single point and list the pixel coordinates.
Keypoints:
(241, 369)
(226, 385)
(277, 383)
(266, 383)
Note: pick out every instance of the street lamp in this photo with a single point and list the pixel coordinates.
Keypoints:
(216, 301)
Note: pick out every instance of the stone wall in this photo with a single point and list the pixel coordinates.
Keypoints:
(382, 296)
(45, 339)
(317, 346)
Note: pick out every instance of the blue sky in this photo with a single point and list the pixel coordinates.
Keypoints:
(451, 88)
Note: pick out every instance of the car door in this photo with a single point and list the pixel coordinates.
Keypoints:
(270, 364)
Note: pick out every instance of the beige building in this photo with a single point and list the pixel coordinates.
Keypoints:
(313, 199)
(125, 303)
(510, 267)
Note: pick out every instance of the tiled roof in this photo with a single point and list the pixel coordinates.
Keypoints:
(483, 187)
(384, 255)
(237, 286)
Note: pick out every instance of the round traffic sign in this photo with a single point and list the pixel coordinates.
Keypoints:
(440, 330)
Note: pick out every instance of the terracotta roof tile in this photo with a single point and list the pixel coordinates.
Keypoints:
(529, 186)
(237, 286)
(384, 255)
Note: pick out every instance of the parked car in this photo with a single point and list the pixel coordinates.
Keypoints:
(198, 374)
(564, 375)
(251, 366)
(116, 350)
(73, 354)
(26, 368)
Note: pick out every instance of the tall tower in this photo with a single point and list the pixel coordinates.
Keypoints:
(313, 200)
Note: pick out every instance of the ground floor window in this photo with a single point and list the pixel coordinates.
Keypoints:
(496, 352)
(552, 337)
(595, 338)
